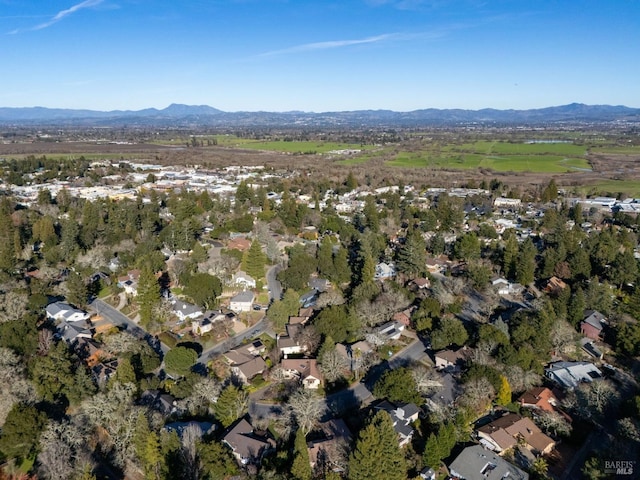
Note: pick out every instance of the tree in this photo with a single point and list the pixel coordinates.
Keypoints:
(397, 385)
(77, 290)
(148, 295)
(377, 455)
(503, 396)
(216, 461)
(179, 360)
(510, 255)
(203, 289)
(307, 407)
(467, 247)
(450, 331)
(332, 365)
(301, 468)
(253, 261)
(21, 431)
(526, 263)
(231, 405)
(479, 273)
(336, 321)
(411, 258)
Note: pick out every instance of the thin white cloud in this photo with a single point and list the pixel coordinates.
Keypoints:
(62, 14)
(307, 47)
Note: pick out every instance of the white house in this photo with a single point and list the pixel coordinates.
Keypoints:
(64, 311)
(184, 310)
(243, 280)
(242, 302)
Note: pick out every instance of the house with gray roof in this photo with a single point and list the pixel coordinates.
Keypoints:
(64, 311)
(402, 416)
(184, 310)
(478, 463)
(570, 374)
(242, 302)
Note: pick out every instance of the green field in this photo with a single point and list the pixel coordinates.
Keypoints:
(498, 163)
(629, 150)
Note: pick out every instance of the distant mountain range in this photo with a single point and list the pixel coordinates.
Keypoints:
(202, 115)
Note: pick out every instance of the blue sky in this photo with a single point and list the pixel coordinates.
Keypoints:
(319, 55)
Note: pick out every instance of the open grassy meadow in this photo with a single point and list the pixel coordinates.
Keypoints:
(500, 157)
(285, 146)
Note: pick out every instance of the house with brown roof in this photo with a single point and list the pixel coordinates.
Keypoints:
(246, 445)
(451, 359)
(554, 286)
(246, 361)
(288, 344)
(505, 433)
(540, 398)
(239, 243)
(334, 436)
(305, 370)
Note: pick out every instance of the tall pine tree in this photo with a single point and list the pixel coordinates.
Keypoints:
(377, 454)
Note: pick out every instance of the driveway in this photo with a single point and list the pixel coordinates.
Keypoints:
(275, 287)
(234, 341)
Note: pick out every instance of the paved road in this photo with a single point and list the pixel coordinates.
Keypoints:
(234, 341)
(118, 318)
(275, 287)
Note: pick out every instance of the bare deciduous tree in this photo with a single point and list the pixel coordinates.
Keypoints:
(332, 365)
(204, 394)
(563, 337)
(478, 393)
(190, 438)
(12, 305)
(45, 340)
(330, 297)
(121, 342)
(307, 408)
(553, 423)
(427, 379)
(521, 380)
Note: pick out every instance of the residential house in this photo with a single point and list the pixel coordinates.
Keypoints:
(242, 302)
(205, 324)
(288, 344)
(570, 374)
(205, 428)
(591, 349)
(503, 202)
(593, 324)
(334, 437)
(505, 433)
(162, 402)
(505, 287)
(71, 332)
(402, 416)
(64, 311)
(390, 330)
(437, 265)
(554, 286)
(306, 312)
(309, 299)
(478, 463)
(243, 280)
(130, 282)
(404, 317)
(184, 310)
(355, 354)
(246, 445)
(447, 392)
(104, 370)
(451, 360)
(89, 351)
(239, 243)
(539, 398)
(304, 369)
(246, 361)
(384, 271)
(421, 283)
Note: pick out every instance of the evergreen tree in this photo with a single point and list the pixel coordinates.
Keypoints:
(577, 305)
(216, 461)
(341, 267)
(377, 455)
(509, 256)
(77, 290)
(324, 255)
(412, 256)
(203, 289)
(148, 295)
(526, 263)
(253, 261)
(21, 431)
(301, 468)
(231, 405)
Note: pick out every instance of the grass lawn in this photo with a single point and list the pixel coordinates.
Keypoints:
(628, 150)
